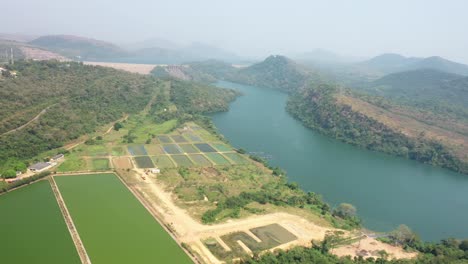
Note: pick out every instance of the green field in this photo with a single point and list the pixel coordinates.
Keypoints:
(192, 137)
(97, 150)
(205, 147)
(118, 151)
(144, 162)
(72, 162)
(217, 158)
(137, 150)
(188, 148)
(154, 150)
(200, 160)
(178, 138)
(114, 226)
(163, 161)
(236, 158)
(100, 164)
(164, 139)
(221, 147)
(172, 149)
(182, 160)
(32, 229)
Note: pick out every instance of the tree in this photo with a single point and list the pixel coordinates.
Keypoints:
(464, 245)
(345, 210)
(10, 173)
(403, 235)
(118, 126)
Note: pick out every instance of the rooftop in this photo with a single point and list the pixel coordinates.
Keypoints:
(39, 166)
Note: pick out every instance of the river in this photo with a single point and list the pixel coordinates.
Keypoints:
(387, 191)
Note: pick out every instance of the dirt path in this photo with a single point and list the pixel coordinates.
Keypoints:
(187, 230)
(69, 221)
(29, 122)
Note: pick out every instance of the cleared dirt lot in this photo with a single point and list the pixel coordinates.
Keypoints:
(122, 163)
(188, 230)
(130, 67)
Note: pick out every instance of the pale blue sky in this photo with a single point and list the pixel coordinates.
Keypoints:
(260, 27)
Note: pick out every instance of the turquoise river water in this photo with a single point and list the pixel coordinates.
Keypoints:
(387, 191)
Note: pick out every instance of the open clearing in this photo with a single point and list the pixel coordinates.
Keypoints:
(122, 163)
(144, 162)
(32, 227)
(130, 67)
(100, 164)
(113, 225)
(192, 137)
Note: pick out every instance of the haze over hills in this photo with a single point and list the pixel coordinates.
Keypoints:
(390, 63)
(79, 47)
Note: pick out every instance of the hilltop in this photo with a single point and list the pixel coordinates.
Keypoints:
(391, 63)
(79, 47)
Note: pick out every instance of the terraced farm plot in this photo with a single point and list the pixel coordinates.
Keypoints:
(137, 150)
(154, 150)
(97, 150)
(163, 161)
(122, 163)
(205, 147)
(172, 149)
(33, 229)
(178, 138)
(217, 158)
(118, 151)
(192, 137)
(144, 162)
(164, 139)
(221, 147)
(188, 148)
(271, 236)
(200, 160)
(236, 158)
(113, 225)
(100, 164)
(182, 160)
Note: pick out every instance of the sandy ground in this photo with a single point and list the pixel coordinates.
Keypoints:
(188, 230)
(130, 67)
(122, 163)
(369, 247)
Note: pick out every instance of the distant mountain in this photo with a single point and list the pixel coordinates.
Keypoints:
(17, 37)
(202, 51)
(276, 72)
(152, 43)
(76, 47)
(22, 50)
(391, 63)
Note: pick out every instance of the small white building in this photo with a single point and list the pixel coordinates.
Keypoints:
(57, 158)
(155, 170)
(40, 166)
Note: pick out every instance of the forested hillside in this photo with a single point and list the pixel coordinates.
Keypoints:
(76, 99)
(433, 90)
(275, 72)
(318, 108)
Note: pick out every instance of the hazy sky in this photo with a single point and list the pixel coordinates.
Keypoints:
(258, 27)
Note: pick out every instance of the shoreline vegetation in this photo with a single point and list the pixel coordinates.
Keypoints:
(404, 127)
